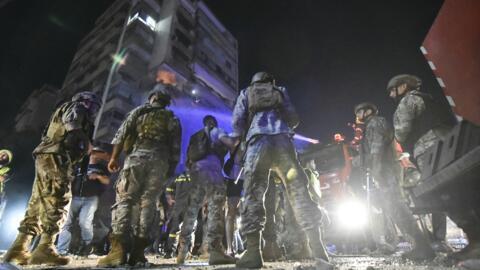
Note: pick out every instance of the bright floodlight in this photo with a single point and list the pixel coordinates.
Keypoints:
(352, 215)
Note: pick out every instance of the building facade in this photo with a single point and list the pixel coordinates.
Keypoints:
(137, 43)
(36, 111)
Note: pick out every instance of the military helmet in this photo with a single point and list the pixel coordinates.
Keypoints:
(366, 106)
(87, 95)
(413, 82)
(262, 76)
(160, 91)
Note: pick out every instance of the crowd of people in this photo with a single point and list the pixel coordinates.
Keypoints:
(275, 196)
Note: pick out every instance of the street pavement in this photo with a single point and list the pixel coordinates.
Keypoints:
(342, 263)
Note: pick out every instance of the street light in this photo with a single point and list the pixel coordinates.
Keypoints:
(118, 58)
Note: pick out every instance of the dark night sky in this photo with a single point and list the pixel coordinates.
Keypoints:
(329, 54)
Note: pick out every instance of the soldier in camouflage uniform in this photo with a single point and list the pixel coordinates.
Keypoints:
(65, 141)
(207, 182)
(265, 117)
(414, 120)
(378, 154)
(151, 137)
(419, 121)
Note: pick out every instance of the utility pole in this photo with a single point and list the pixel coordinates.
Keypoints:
(116, 60)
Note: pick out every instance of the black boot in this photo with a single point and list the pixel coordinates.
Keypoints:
(137, 254)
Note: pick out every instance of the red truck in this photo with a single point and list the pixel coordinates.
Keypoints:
(451, 181)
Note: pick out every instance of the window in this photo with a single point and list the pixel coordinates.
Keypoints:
(184, 21)
(178, 53)
(180, 36)
(144, 18)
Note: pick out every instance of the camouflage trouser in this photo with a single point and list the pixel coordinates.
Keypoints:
(50, 195)
(140, 182)
(286, 230)
(275, 152)
(439, 220)
(206, 183)
(389, 198)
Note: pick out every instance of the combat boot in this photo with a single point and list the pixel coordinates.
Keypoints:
(252, 257)
(137, 254)
(422, 250)
(419, 254)
(318, 250)
(45, 253)
(271, 251)
(117, 255)
(18, 252)
(204, 251)
(182, 251)
(217, 255)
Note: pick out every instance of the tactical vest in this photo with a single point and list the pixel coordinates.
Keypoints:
(153, 128)
(263, 97)
(365, 147)
(435, 117)
(55, 132)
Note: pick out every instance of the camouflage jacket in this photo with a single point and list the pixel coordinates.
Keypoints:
(411, 106)
(270, 122)
(129, 129)
(67, 132)
(377, 152)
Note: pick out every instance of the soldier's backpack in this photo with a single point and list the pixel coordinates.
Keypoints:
(263, 96)
(199, 146)
(148, 126)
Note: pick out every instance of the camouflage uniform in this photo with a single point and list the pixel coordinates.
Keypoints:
(54, 160)
(378, 154)
(156, 147)
(281, 225)
(207, 183)
(409, 109)
(270, 146)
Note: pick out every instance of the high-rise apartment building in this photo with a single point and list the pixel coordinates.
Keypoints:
(137, 43)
